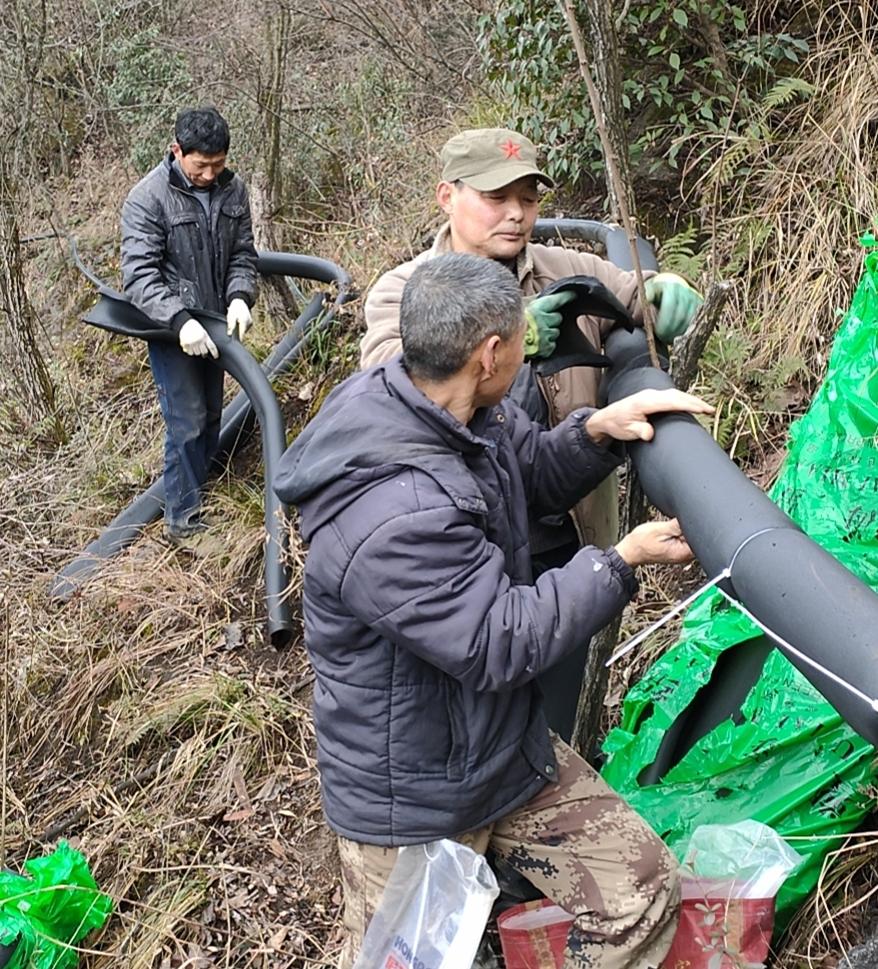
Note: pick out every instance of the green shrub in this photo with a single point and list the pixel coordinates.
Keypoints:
(146, 88)
(693, 72)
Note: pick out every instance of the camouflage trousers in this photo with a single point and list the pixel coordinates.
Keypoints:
(583, 847)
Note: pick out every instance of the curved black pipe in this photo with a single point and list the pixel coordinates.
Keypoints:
(113, 312)
(613, 238)
(736, 671)
(7, 952)
(826, 616)
(236, 420)
(126, 527)
(270, 263)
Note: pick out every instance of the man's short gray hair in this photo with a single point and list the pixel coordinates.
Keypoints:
(449, 305)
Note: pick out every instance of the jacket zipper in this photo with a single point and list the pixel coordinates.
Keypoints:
(209, 221)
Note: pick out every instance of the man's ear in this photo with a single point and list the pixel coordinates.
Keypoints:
(445, 196)
(176, 150)
(487, 357)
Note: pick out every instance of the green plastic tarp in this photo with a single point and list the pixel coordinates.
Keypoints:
(45, 913)
(789, 760)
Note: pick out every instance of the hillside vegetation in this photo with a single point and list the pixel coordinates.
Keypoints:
(147, 721)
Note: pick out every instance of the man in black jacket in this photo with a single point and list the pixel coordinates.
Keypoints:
(187, 245)
(427, 629)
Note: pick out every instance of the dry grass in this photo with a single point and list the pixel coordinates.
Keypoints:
(840, 913)
(146, 720)
(784, 205)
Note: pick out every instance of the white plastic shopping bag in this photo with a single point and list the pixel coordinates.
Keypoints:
(731, 875)
(433, 911)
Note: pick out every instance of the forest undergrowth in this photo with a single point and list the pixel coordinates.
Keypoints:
(147, 721)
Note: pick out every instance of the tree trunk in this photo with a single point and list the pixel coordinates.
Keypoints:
(688, 349)
(602, 75)
(607, 73)
(278, 300)
(272, 100)
(266, 186)
(22, 358)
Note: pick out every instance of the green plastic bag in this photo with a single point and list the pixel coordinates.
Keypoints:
(46, 914)
(790, 761)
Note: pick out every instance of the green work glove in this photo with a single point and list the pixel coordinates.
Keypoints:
(543, 321)
(676, 301)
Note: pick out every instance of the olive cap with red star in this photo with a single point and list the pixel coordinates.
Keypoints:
(489, 158)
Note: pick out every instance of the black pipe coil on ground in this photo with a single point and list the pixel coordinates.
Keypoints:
(114, 313)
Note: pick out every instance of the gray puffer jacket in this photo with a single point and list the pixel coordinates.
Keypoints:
(175, 259)
(421, 619)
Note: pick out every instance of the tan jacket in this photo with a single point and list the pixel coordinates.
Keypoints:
(596, 517)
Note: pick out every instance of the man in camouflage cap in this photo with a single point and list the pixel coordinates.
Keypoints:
(489, 190)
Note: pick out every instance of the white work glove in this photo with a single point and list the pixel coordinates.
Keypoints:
(195, 341)
(238, 318)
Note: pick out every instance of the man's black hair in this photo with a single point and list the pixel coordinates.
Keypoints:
(201, 129)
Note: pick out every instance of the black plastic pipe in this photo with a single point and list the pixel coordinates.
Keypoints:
(612, 238)
(801, 593)
(7, 952)
(826, 617)
(126, 527)
(562, 684)
(113, 312)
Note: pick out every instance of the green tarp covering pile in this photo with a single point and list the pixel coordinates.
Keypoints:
(46, 914)
(790, 761)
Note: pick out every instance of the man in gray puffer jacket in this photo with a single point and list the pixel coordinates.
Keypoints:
(187, 245)
(426, 630)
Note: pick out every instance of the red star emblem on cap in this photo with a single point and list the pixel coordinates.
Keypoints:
(511, 149)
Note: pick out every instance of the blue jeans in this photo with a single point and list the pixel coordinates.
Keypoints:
(191, 397)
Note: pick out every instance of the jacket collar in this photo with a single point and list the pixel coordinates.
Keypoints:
(481, 431)
(446, 465)
(178, 181)
(524, 263)
(373, 424)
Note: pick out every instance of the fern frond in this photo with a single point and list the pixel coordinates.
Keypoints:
(678, 254)
(787, 89)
